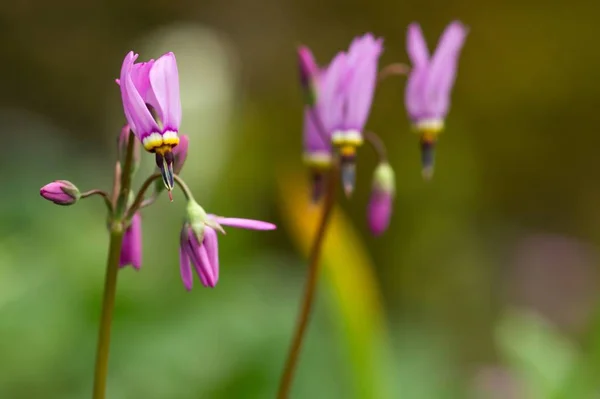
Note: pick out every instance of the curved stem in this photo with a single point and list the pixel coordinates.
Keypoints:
(108, 303)
(103, 194)
(186, 190)
(310, 287)
(139, 199)
(112, 268)
(377, 145)
(393, 70)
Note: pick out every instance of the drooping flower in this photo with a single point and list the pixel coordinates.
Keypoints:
(199, 243)
(344, 93)
(131, 251)
(429, 84)
(382, 196)
(152, 106)
(61, 192)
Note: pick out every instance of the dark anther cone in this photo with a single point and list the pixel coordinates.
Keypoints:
(348, 175)
(427, 158)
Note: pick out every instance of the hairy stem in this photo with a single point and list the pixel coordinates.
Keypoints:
(112, 268)
(310, 287)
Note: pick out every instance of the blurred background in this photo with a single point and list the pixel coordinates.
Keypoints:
(485, 286)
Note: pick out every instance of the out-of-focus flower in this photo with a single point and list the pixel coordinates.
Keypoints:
(343, 92)
(131, 251)
(61, 192)
(122, 148)
(199, 244)
(382, 196)
(152, 106)
(427, 95)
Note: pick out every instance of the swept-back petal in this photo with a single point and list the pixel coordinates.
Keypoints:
(138, 116)
(185, 268)
(442, 69)
(313, 139)
(164, 80)
(244, 223)
(416, 47)
(362, 84)
(330, 101)
(414, 94)
(211, 243)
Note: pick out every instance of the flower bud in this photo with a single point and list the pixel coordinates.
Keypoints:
(382, 196)
(308, 73)
(122, 149)
(196, 218)
(61, 192)
(180, 154)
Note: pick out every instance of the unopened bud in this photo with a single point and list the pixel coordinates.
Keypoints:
(180, 154)
(61, 192)
(379, 211)
(308, 74)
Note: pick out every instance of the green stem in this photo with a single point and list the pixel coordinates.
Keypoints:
(101, 193)
(112, 268)
(186, 190)
(139, 199)
(310, 287)
(377, 145)
(108, 303)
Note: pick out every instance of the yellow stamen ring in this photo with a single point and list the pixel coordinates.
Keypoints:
(155, 141)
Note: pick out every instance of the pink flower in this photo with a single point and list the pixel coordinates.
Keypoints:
(199, 247)
(147, 88)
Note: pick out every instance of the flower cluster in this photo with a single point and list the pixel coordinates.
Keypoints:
(152, 108)
(338, 100)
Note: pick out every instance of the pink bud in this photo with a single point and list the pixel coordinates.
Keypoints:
(379, 211)
(61, 192)
(180, 153)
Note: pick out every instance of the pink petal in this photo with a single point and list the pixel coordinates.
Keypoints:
(362, 86)
(211, 244)
(185, 268)
(331, 98)
(164, 79)
(138, 116)
(416, 46)
(442, 70)
(244, 223)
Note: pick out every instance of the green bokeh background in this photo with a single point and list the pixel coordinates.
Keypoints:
(488, 273)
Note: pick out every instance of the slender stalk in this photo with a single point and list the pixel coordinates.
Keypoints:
(112, 268)
(101, 193)
(310, 287)
(377, 145)
(139, 199)
(108, 303)
(393, 70)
